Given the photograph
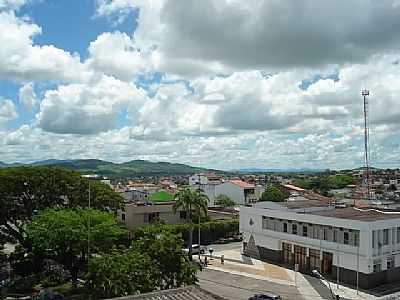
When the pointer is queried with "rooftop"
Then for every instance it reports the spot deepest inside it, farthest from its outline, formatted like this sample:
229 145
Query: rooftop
304 204
294 188
242 184
189 293
351 213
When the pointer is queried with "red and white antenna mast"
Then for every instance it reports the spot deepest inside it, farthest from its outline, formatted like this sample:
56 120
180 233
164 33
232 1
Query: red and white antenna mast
367 173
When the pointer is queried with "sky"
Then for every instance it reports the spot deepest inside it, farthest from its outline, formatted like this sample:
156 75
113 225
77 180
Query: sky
223 84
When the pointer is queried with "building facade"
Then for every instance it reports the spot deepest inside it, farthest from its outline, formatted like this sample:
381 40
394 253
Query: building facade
138 214
240 192
348 244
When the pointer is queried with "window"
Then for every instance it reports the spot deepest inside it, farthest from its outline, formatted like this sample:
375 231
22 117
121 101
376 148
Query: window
346 238
377 265
398 235
390 262
335 234
373 238
284 227
305 230
325 234
356 239
182 215
316 232
264 222
123 217
294 228
385 236
154 216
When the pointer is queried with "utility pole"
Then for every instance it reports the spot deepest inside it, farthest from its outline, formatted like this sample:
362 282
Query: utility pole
199 222
364 94
88 238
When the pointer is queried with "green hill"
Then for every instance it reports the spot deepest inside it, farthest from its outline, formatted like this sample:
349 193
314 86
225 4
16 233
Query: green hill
127 169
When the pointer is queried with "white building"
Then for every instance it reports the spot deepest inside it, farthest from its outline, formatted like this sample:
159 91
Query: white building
205 178
345 242
207 182
240 192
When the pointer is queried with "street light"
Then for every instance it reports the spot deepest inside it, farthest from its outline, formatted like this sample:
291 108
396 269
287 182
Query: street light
320 277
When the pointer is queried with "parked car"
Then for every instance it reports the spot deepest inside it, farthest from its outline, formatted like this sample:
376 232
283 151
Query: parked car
196 248
266 296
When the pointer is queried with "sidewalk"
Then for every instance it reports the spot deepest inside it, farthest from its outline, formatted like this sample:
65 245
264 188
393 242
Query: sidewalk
237 264
346 292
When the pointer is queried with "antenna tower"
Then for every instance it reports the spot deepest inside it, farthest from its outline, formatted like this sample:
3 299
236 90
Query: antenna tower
367 173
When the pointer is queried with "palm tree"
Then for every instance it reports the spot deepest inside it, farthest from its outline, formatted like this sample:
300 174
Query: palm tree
189 200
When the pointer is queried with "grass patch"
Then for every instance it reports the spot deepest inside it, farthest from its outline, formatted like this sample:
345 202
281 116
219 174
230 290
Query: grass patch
161 196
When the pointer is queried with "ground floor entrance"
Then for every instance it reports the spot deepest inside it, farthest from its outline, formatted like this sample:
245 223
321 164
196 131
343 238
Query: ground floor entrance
300 257
327 263
307 259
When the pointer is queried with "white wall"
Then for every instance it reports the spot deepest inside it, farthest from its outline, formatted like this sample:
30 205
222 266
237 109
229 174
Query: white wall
233 191
347 254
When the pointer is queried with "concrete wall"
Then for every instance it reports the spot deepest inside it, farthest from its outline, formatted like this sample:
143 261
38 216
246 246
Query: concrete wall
233 191
135 216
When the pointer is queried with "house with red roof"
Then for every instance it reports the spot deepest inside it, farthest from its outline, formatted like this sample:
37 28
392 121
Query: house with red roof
239 191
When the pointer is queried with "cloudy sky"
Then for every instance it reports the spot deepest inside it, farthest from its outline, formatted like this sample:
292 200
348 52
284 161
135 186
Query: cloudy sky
215 83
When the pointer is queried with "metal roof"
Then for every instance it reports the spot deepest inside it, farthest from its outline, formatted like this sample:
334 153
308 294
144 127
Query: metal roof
184 293
351 213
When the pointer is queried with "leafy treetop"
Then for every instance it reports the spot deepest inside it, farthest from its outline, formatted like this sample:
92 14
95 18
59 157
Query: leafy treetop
274 194
25 191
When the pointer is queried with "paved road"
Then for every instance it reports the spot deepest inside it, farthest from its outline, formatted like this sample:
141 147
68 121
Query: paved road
225 247
236 287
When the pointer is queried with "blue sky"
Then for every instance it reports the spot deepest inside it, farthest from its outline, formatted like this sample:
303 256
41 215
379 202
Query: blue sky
220 84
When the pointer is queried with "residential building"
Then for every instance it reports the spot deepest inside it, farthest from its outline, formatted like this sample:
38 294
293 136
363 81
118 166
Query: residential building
207 182
132 194
293 190
169 186
136 214
205 179
240 192
343 243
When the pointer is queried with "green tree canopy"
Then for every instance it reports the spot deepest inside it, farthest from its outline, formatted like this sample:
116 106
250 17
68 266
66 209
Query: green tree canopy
274 194
156 261
63 235
25 191
165 249
224 201
325 183
121 272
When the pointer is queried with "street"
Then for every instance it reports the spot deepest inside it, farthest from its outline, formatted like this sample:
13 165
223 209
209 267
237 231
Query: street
236 287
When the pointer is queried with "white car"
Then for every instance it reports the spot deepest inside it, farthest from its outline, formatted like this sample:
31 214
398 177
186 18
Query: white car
196 248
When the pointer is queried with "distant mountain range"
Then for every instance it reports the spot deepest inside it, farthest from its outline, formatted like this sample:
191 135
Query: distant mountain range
261 170
106 168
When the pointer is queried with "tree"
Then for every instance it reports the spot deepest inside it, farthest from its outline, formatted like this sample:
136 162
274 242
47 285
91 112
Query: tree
224 201
165 249
155 261
63 235
189 200
274 194
121 273
25 191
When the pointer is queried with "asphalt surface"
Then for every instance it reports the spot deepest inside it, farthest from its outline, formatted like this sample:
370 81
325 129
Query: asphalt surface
236 287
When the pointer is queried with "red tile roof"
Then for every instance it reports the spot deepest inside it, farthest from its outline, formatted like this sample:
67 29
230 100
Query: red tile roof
293 187
242 184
